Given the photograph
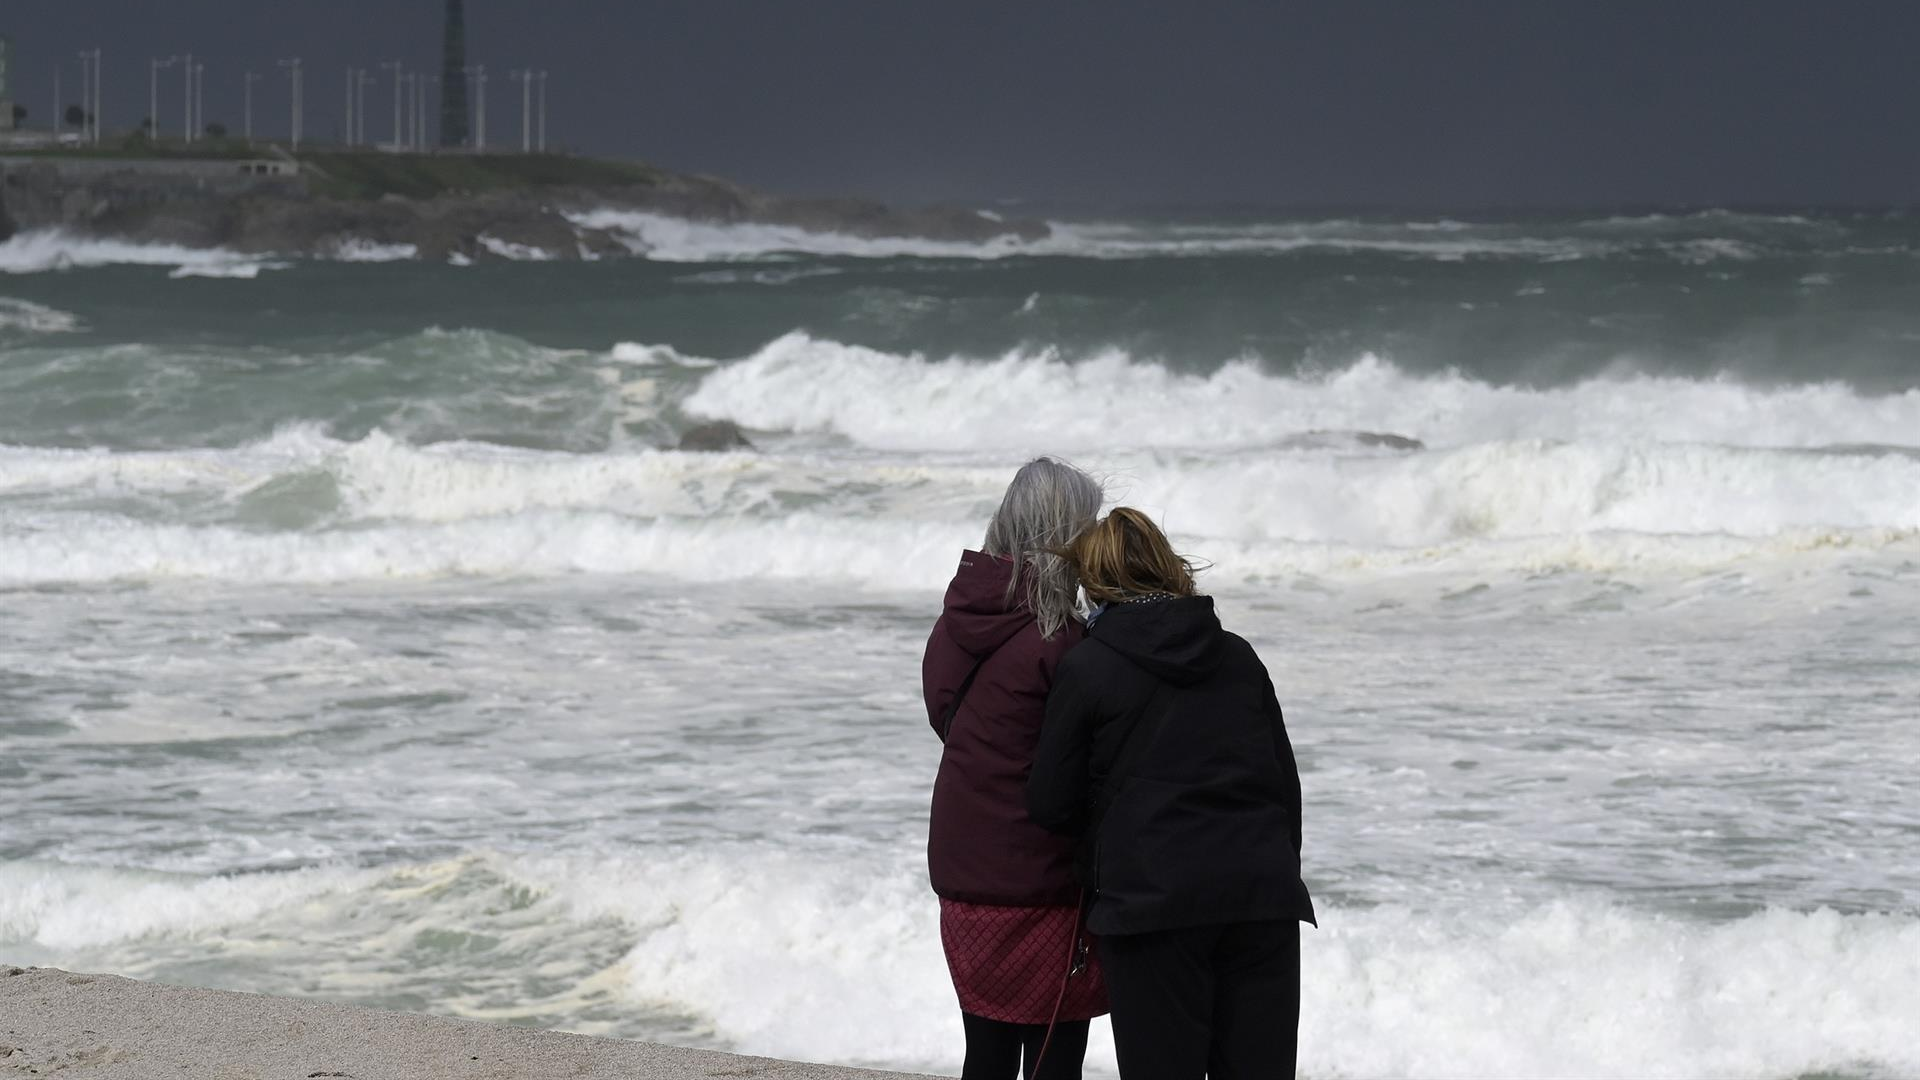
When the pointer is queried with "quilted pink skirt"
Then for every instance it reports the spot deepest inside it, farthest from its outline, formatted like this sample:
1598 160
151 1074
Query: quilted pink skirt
1008 963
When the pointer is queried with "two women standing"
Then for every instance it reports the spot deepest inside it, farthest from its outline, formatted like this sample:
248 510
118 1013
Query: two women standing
1154 755
1009 900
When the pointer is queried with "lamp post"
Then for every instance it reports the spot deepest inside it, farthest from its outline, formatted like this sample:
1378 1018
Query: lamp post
189 96
366 79
397 68
543 112
421 81
86 94
479 73
346 136
199 96
89 96
293 75
193 113
249 79
524 76
153 95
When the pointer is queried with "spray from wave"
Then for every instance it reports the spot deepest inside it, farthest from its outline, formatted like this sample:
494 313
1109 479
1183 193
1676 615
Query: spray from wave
42 250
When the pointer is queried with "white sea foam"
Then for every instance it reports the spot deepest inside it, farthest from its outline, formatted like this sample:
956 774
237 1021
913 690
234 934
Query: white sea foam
801 547
1582 989
674 239
66 908
359 249
845 966
390 510
1440 244
811 548
35 318
637 355
40 250
1491 491
507 249
1035 400
241 269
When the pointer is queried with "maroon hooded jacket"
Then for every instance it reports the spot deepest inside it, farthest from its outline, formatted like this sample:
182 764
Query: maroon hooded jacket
982 848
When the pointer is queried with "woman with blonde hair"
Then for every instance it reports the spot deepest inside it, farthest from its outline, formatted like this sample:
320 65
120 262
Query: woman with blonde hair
1009 901
1164 745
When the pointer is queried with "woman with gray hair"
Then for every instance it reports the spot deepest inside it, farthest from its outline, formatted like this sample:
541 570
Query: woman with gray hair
1009 900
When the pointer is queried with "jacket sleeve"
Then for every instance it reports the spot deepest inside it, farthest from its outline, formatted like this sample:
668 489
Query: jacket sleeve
937 691
1059 785
1289 768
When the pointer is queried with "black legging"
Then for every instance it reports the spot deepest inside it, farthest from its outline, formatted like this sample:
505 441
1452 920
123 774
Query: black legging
997 1050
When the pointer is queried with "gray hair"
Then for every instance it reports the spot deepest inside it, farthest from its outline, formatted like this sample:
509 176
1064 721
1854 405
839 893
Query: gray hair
1048 504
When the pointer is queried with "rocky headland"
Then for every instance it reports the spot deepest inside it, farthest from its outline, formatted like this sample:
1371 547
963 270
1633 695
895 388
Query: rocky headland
453 206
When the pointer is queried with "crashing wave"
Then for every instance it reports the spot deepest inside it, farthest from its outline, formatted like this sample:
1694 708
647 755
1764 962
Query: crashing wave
1395 991
32 318
303 507
1040 399
42 250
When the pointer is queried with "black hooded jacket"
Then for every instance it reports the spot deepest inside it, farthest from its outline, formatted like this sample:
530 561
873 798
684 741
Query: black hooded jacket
1202 826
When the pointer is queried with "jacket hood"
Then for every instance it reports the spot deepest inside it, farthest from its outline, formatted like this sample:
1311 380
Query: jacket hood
1179 641
979 618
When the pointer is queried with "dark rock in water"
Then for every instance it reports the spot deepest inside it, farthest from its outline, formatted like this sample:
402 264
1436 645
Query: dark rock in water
1391 442
1335 440
717 437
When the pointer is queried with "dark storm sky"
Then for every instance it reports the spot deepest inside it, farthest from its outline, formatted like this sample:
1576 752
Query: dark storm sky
1416 103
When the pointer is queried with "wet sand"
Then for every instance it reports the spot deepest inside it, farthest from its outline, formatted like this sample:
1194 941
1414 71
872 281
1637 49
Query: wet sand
100 1027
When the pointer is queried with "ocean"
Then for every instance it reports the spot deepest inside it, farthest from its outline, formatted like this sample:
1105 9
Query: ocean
364 641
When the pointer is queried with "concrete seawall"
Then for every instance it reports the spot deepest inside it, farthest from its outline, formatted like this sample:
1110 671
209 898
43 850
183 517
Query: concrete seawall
99 1027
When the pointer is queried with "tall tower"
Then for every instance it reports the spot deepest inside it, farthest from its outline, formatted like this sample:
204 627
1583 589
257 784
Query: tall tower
453 77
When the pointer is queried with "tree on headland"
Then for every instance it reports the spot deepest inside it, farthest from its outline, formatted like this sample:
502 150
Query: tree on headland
19 114
77 116
216 130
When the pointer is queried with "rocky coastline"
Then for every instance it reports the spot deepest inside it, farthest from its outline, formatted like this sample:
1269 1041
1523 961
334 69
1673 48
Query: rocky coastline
312 209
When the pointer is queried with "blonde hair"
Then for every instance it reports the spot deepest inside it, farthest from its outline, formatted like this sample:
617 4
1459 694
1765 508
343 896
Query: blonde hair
1125 555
